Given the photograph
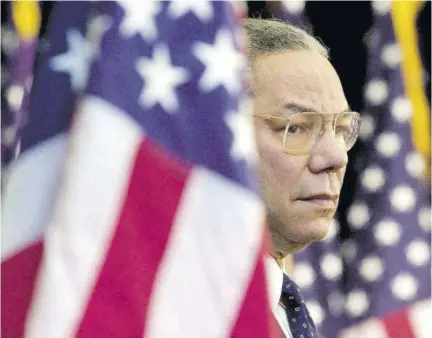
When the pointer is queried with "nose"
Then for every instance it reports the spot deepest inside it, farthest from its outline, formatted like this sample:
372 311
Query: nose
328 154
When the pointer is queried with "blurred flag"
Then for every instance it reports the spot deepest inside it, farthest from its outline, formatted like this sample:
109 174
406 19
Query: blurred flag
30 188
142 216
24 28
388 281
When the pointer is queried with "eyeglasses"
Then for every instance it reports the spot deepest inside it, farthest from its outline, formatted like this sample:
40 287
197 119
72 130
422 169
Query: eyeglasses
302 131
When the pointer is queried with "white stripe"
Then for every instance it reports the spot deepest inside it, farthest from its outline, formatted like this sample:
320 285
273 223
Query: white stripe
103 146
29 193
372 328
420 316
209 260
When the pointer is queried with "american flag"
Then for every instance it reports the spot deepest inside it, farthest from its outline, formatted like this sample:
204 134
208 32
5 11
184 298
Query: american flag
388 281
141 213
376 283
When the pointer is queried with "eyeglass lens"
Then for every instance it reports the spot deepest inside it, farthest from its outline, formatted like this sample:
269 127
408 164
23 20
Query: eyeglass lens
303 130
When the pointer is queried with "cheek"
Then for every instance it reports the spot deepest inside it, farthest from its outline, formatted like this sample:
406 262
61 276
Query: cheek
280 172
340 177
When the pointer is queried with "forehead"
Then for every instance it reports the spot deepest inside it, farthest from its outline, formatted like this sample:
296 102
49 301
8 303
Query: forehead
302 77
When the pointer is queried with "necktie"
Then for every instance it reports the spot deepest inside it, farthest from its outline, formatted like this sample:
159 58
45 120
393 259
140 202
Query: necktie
300 321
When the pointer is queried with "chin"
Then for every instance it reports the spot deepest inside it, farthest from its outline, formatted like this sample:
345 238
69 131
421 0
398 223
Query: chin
311 231
292 236
308 232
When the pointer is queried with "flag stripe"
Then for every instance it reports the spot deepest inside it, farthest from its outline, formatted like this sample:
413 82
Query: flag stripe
195 273
248 324
397 324
18 275
84 217
369 328
32 184
140 240
420 315
132 220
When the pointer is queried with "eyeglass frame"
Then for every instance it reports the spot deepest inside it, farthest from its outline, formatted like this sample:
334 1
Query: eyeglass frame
289 119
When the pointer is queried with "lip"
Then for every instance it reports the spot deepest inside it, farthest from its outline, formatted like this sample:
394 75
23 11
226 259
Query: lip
325 201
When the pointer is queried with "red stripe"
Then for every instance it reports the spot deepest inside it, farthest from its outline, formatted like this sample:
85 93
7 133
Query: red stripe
18 276
397 324
255 318
275 329
119 302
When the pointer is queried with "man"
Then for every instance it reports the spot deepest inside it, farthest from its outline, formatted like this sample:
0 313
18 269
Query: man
304 128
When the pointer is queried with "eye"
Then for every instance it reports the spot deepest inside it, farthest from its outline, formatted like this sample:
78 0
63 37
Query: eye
343 129
298 128
293 129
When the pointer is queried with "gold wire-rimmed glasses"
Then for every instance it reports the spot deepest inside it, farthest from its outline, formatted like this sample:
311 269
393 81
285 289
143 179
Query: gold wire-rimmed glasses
303 130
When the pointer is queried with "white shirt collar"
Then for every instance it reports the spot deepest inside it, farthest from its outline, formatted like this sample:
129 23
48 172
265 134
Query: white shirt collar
274 278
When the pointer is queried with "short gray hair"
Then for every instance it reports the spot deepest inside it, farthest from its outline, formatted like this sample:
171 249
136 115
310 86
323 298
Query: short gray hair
265 36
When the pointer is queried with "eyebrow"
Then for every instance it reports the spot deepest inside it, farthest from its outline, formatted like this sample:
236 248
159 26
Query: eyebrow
299 108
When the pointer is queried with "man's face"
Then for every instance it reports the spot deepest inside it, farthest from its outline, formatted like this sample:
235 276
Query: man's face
297 189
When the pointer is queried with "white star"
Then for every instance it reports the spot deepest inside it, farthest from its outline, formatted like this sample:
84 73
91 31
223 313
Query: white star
367 126
201 8
303 274
377 92
357 303
331 266
240 124
8 136
15 96
76 61
316 312
388 144
140 18
404 286
358 215
381 7
415 164
371 268
418 252
349 250
401 109
424 218
391 55
403 198
97 27
373 178
9 40
223 63
388 232
294 6
160 79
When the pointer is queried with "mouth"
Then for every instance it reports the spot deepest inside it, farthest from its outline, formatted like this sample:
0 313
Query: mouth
325 201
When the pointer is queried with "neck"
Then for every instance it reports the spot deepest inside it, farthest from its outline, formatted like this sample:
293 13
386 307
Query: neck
285 263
